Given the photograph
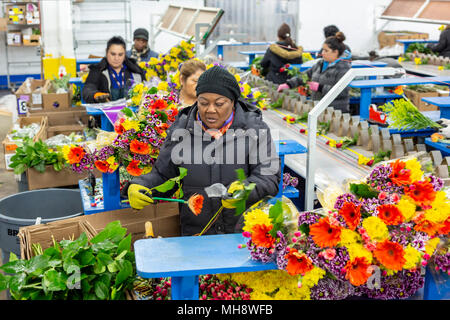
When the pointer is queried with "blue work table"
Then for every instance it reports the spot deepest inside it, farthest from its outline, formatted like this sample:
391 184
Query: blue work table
252 55
407 42
367 85
185 258
87 61
220 46
355 64
443 147
442 102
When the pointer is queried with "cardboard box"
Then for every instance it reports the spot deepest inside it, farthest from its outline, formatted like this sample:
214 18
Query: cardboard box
52 179
164 217
389 38
55 101
16 14
31 40
65 122
14 38
3 24
9 147
416 99
27 101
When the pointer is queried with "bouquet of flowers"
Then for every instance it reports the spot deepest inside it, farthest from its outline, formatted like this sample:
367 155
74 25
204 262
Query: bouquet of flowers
374 242
252 95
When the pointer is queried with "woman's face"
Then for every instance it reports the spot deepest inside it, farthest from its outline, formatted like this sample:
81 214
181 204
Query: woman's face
214 109
328 54
190 83
115 56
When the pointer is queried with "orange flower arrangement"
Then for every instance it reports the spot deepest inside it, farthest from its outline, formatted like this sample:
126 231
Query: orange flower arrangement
351 214
422 192
102 166
261 236
75 155
390 214
139 147
133 168
158 104
298 263
356 271
390 254
400 175
324 233
444 228
428 227
195 203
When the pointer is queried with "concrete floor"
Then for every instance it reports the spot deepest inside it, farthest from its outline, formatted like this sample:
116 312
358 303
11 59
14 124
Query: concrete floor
8 184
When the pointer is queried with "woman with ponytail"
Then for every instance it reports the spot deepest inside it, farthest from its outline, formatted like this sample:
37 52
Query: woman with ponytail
283 52
335 62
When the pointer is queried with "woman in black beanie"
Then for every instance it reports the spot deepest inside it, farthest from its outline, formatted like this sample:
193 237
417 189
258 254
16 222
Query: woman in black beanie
211 139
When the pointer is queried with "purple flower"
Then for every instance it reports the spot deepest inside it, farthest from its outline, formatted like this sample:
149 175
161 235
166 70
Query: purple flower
308 218
343 198
259 253
442 262
437 182
332 289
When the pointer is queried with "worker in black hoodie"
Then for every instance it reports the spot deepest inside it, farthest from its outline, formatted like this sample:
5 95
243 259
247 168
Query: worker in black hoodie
283 52
112 77
443 47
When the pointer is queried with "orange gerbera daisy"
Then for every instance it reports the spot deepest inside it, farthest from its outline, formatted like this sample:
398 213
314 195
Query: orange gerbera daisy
118 127
324 233
261 236
357 272
390 214
133 168
158 104
75 155
139 147
390 254
351 214
102 166
298 263
444 228
422 192
400 175
195 203
428 227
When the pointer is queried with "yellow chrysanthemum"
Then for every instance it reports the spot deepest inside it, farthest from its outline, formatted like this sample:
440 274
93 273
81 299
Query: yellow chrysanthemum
349 237
407 207
174 65
247 89
412 257
113 164
256 94
440 210
163 86
142 64
416 170
417 61
332 143
312 277
357 250
166 67
376 228
254 217
153 61
431 245
130 124
238 77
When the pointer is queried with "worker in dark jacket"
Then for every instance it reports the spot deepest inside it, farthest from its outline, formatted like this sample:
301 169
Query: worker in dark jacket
112 77
211 139
140 51
443 47
327 72
279 54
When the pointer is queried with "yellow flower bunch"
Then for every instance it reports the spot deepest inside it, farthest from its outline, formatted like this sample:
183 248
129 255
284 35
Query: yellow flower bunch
412 257
306 56
349 237
84 77
407 207
376 228
356 250
65 151
416 169
312 277
363 160
153 61
440 210
417 61
247 89
431 245
254 217
113 164
163 86
130 124
238 77
401 59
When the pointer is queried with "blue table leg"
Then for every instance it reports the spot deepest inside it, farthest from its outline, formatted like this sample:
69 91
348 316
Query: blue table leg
366 97
251 57
185 288
111 191
106 124
220 51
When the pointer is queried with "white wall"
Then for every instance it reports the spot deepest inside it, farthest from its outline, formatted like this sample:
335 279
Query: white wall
356 18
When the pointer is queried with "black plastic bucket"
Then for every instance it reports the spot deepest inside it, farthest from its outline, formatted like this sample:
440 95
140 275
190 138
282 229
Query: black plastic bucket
22 209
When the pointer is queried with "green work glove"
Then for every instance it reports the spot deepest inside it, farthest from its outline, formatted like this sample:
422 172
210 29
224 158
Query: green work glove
138 200
231 202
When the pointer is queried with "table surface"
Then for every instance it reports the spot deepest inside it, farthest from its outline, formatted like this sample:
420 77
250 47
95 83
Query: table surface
190 256
284 147
398 81
424 69
439 146
416 40
438 101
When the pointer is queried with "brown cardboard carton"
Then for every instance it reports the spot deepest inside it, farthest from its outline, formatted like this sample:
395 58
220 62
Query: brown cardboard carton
14 38
31 40
16 14
55 101
52 179
65 122
416 98
3 24
9 146
27 101
389 38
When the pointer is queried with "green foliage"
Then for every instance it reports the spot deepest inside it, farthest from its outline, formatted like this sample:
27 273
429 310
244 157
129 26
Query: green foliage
63 82
35 155
277 104
362 191
242 195
347 142
170 184
100 269
381 156
323 127
276 214
419 47
403 115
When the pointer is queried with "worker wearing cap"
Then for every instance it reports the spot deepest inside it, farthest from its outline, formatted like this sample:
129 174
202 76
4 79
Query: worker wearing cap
140 50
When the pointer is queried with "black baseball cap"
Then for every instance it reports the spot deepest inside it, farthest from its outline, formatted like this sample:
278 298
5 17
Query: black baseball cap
140 33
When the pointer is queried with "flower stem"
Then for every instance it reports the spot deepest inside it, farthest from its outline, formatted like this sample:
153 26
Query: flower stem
211 221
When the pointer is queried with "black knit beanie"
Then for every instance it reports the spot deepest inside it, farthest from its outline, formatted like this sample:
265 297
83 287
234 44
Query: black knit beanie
220 81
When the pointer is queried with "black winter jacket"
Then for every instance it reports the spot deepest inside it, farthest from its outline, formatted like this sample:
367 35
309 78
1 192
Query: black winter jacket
188 146
443 47
327 80
98 79
276 57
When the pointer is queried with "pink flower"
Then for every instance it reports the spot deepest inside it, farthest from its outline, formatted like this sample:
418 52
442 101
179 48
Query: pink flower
297 234
426 256
395 197
246 234
328 254
294 239
382 195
